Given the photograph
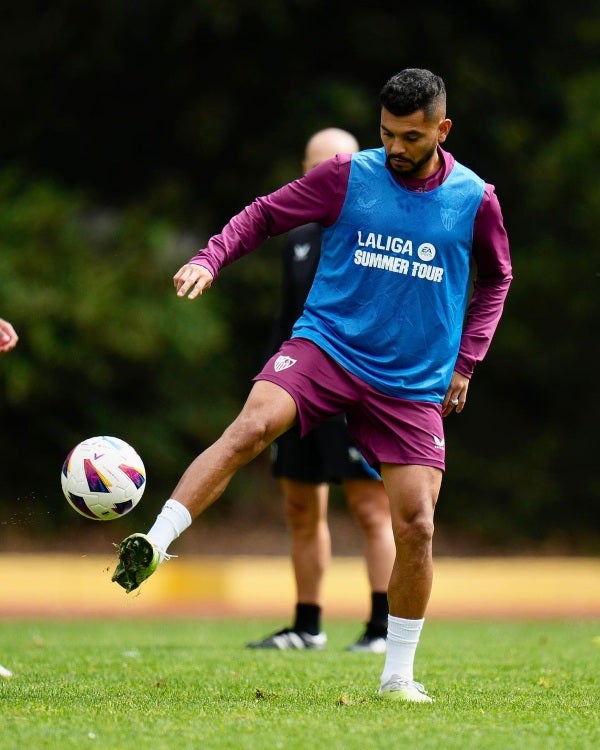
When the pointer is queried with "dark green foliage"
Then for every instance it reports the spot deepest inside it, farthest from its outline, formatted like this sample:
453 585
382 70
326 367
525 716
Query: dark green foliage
105 345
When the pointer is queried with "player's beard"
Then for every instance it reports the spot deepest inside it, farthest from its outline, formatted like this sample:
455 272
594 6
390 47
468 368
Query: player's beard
408 167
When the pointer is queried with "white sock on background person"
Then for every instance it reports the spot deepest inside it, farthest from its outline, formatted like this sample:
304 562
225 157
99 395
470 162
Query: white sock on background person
402 640
172 521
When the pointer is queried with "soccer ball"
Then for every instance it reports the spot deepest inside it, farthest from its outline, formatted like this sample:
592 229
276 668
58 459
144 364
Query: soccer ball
103 478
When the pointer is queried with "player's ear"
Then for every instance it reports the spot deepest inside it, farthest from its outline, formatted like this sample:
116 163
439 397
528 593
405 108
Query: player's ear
444 129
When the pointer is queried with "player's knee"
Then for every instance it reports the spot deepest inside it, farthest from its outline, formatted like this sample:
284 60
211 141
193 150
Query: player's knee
300 521
372 511
371 514
415 532
301 511
247 435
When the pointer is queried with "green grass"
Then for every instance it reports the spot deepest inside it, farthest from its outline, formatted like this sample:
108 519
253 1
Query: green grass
173 684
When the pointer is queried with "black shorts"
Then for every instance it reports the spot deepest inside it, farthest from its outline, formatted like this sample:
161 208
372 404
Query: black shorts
325 454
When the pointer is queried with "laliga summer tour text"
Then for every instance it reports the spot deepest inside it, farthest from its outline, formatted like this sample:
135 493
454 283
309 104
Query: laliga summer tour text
396 263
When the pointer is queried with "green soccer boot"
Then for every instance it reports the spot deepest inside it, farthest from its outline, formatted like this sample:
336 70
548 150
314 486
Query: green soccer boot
138 559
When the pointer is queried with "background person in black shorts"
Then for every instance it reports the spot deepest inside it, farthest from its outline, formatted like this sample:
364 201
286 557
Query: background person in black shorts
307 466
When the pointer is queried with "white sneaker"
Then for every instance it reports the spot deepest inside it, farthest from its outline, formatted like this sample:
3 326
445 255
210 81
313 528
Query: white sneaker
291 640
402 689
368 644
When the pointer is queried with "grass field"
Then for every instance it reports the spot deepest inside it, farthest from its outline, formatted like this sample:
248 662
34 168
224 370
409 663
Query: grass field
181 683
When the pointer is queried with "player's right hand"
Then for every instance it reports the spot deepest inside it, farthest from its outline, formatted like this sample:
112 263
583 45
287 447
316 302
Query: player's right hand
192 280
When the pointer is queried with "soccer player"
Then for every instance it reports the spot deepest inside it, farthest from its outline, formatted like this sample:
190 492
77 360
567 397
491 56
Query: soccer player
390 335
306 466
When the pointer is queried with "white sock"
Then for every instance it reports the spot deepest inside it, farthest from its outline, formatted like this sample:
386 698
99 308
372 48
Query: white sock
402 640
172 521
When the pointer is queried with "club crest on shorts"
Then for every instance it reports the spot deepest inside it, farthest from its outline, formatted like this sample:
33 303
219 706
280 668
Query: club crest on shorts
282 363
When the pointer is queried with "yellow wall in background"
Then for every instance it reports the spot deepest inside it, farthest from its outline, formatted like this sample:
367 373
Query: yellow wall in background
70 585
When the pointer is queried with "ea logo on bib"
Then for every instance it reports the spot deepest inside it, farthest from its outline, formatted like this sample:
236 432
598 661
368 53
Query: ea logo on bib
426 251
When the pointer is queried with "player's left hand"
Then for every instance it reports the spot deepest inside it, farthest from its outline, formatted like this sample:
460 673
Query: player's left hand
456 395
192 280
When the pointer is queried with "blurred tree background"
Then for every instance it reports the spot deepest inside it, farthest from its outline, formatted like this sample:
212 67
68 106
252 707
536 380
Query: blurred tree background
131 131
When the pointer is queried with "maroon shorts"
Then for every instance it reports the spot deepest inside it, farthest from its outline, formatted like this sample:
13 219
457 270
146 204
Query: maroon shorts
386 429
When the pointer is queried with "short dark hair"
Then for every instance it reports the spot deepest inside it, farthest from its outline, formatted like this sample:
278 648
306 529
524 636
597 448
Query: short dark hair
413 89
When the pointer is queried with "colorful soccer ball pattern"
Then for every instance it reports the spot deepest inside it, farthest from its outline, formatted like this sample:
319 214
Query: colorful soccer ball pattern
103 478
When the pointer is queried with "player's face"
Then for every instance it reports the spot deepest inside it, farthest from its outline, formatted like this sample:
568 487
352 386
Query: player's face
411 142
